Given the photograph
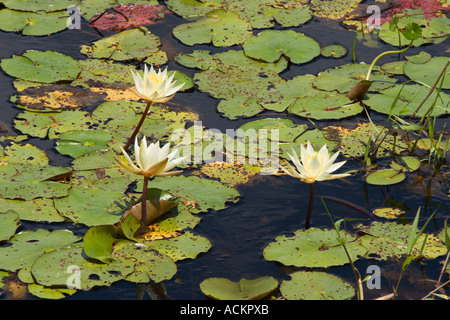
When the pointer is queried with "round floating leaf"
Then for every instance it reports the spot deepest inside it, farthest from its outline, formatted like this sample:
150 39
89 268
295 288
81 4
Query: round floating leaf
99 241
389 240
388 213
244 289
27 182
39 5
150 264
89 206
136 43
239 106
56 267
9 222
25 247
405 164
186 246
429 72
220 27
344 78
39 209
385 177
333 9
24 154
325 106
312 248
78 142
307 285
271 45
334 50
421 57
41 66
33 23
410 97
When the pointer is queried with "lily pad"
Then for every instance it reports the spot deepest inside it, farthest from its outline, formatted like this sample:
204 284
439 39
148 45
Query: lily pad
385 177
333 9
244 289
333 50
388 213
405 164
312 248
185 246
239 106
389 241
39 209
89 206
314 285
78 142
271 45
410 97
324 106
136 43
220 27
9 223
54 269
27 182
41 66
25 247
343 78
38 23
429 72
38 5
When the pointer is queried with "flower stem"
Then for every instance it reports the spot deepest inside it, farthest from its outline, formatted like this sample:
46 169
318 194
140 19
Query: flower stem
382 55
136 130
144 202
310 205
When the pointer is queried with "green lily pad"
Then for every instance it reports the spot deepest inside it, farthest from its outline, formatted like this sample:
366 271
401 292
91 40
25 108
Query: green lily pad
27 246
385 177
312 248
55 269
136 43
271 45
207 194
333 50
27 182
220 27
49 293
37 5
33 23
314 285
231 81
421 57
393 68
333 9
324 106
388 213
389 241
51 124
434 30
150 265
244 289
78 142
287 130
39 209
353 142
343 78
89 206
99 241
186 246
41 66
9 223
24 153
410 97
405 164
429 72
239 106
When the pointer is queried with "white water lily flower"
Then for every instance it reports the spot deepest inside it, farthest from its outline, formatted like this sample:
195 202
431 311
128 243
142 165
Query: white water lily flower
314 166
152 161
155 86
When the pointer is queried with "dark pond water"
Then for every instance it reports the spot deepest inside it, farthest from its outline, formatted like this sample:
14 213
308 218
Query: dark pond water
270 205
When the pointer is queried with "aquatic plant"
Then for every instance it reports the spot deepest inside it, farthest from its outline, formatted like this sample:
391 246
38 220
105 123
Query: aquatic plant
313 166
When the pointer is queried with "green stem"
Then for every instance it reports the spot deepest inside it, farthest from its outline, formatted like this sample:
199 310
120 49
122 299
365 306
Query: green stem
382 55
136 130
144 202
310 205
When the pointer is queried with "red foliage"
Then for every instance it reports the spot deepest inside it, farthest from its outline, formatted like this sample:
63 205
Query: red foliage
127 16
431 8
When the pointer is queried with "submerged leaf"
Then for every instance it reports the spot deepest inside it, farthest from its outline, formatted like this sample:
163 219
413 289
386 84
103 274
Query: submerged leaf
244 289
